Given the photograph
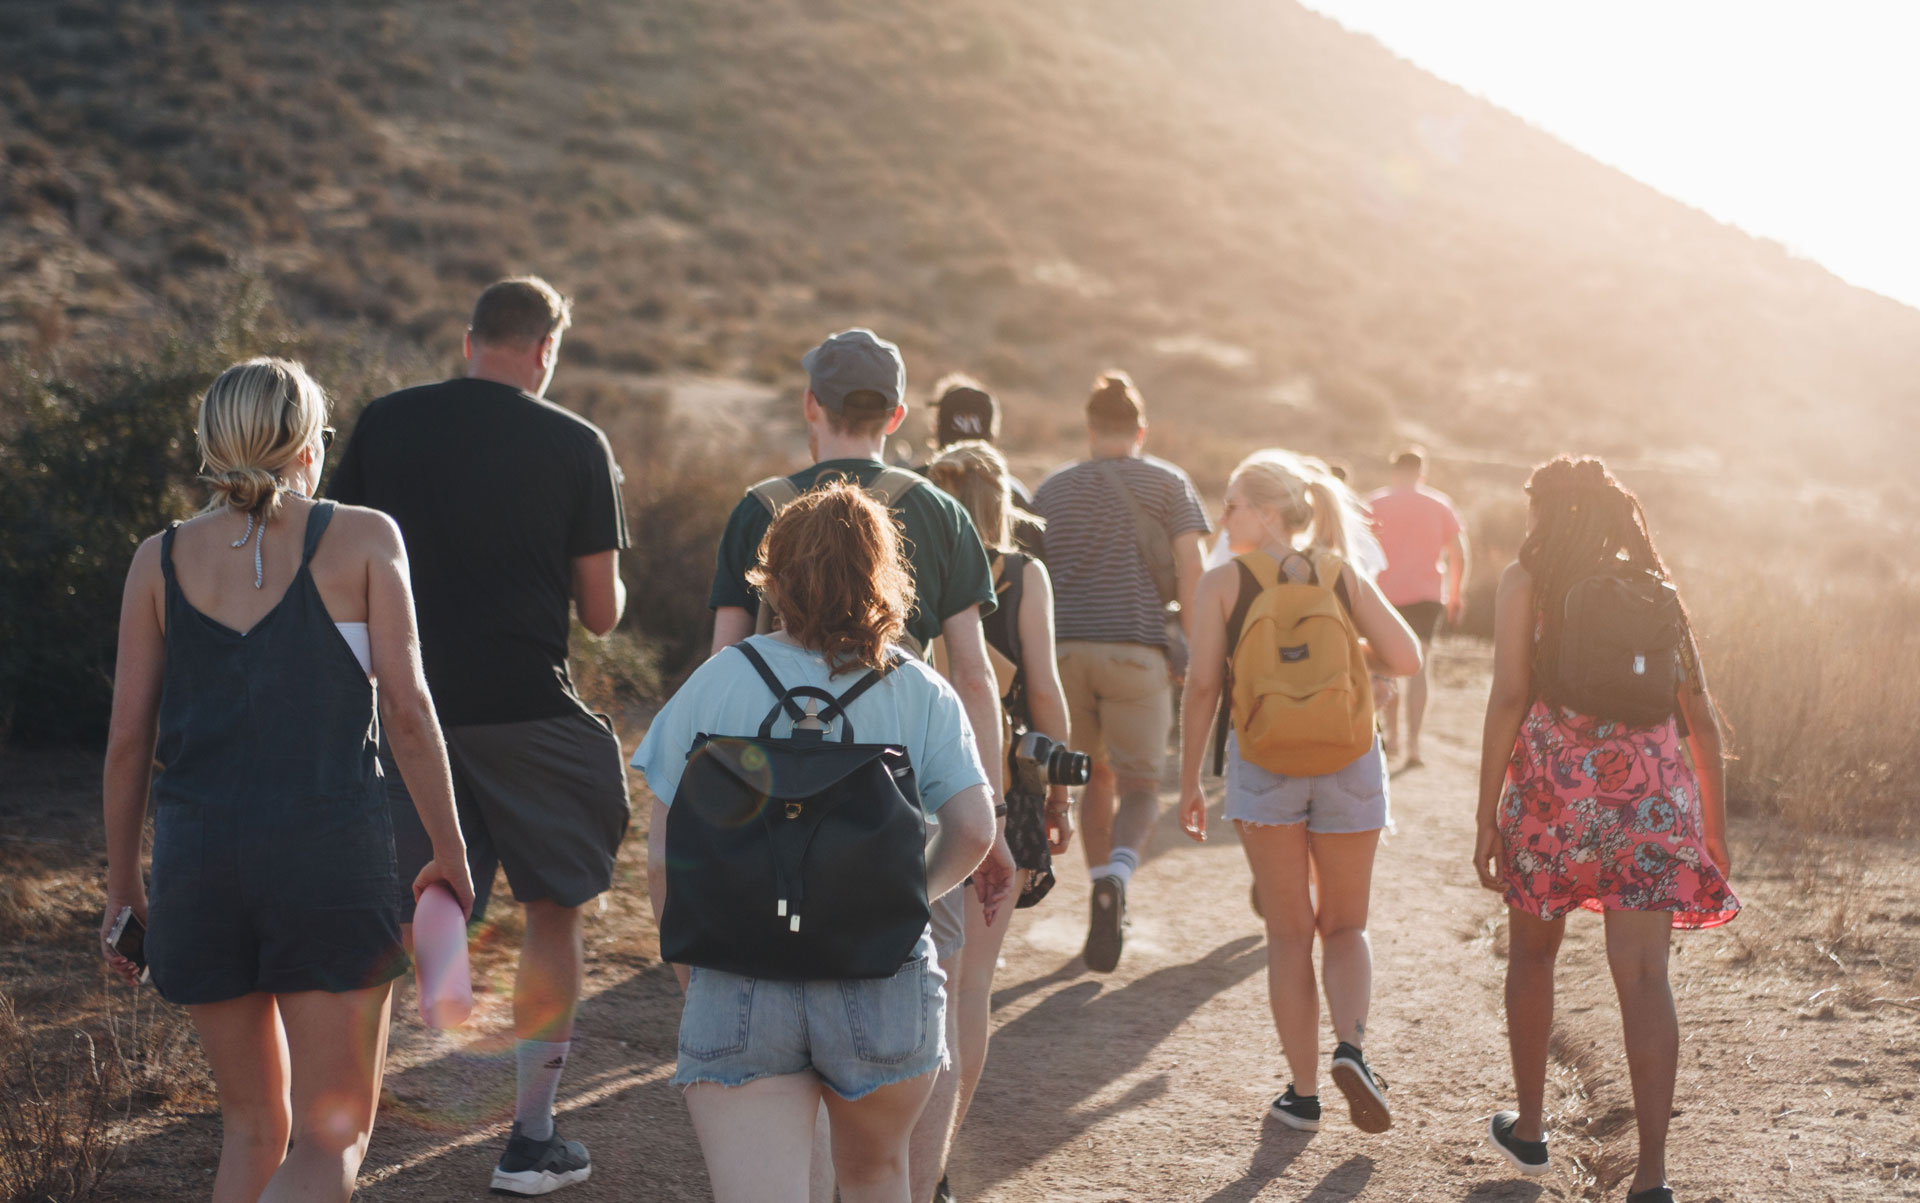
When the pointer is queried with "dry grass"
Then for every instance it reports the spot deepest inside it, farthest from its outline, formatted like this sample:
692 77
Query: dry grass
1820 684
60 1097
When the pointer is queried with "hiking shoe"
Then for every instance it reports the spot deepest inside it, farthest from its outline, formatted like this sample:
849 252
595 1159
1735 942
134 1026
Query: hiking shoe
1527 1156
540 1167
1296 1111
1104 933
1656 1194
1366 1092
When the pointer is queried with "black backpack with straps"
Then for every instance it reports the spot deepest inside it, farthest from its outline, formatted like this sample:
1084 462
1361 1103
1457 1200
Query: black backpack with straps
1623 641
796 857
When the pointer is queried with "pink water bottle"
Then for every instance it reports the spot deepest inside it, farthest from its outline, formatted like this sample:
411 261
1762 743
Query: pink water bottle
440 958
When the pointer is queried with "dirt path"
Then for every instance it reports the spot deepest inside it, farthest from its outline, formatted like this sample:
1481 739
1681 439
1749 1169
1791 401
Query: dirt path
1152 1083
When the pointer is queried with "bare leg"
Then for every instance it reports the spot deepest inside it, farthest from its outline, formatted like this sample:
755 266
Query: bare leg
973 1000
1139 808
247 1052
820 1175
1343 869
1532 946
870 1142
1278 856
338 1048
1637 946
932 1131
1415 688
547 990
757 1138
1096 816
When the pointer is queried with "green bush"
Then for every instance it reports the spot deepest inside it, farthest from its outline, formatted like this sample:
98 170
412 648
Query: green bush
94 461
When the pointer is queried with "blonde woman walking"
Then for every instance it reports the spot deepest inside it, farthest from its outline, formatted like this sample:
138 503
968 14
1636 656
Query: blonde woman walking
250 637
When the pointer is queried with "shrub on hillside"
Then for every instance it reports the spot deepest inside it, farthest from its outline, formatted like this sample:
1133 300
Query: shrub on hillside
94 461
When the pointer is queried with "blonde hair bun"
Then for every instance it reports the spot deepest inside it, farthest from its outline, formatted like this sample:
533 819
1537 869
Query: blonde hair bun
255 419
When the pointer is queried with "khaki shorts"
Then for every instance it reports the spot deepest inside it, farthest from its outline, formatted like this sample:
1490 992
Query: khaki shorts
948 918
1120 701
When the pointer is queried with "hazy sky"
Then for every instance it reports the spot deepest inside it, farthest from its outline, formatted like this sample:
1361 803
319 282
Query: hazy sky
1793 119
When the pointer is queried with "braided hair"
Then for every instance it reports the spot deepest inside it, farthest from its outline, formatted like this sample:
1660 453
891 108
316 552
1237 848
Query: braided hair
1585 522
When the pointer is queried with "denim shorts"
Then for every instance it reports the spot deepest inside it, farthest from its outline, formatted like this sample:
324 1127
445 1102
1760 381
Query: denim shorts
857 1035
1351 800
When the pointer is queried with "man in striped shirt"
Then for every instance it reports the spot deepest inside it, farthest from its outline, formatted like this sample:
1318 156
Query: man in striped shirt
1110 618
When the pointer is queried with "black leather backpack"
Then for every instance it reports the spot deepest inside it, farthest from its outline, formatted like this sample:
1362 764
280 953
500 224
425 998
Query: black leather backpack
1622 637
796 857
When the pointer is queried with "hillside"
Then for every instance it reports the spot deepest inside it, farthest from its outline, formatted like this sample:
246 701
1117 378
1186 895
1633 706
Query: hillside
1263 215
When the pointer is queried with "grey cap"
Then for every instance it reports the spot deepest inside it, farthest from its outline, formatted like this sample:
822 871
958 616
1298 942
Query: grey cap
853 361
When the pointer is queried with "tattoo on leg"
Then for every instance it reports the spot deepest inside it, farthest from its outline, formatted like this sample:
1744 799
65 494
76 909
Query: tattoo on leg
1360 1028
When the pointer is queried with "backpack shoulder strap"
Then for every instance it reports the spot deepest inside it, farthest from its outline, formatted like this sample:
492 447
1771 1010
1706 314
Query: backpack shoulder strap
766 674
1330 566
893 484
1258 573
775 492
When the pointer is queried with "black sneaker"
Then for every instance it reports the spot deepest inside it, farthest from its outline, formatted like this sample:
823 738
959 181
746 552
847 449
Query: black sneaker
1366 1091
1104 932
1656 1194
1527 1156
1297 1112
540 1167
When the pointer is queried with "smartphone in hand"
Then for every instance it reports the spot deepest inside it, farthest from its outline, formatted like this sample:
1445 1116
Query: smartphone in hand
128 937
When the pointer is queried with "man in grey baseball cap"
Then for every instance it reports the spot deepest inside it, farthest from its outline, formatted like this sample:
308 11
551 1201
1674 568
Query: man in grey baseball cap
855 399
851 364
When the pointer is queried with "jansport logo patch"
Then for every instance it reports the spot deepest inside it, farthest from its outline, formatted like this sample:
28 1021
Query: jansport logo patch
1293 655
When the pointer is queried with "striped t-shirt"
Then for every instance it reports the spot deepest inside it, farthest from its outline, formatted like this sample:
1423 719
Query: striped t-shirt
1102 589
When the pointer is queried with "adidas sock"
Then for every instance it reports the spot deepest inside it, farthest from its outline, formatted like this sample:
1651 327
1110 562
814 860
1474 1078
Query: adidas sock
540 1064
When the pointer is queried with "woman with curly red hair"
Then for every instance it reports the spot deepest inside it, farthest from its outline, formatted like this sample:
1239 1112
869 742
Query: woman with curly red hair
1585 798
759 1055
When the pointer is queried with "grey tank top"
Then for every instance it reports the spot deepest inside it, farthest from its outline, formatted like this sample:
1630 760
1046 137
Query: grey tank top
276 720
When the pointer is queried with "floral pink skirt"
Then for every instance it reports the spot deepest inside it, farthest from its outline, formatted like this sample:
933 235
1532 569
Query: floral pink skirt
1607 817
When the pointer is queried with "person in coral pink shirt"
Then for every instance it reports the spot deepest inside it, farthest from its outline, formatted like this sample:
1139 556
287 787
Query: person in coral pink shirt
1426 575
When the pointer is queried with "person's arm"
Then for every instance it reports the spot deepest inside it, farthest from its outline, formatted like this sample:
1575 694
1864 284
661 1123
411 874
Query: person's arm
1046 699
599 595
965 834
657 875
973 680
1206 675
138 671
1458 568
1392 649
1709 763
1507 704
731 624
731 599
406 708
1188 564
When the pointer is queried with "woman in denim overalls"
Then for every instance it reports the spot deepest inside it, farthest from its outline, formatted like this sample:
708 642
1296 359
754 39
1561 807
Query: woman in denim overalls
250 637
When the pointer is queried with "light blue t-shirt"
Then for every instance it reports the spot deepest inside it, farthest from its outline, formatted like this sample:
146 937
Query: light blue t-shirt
911 706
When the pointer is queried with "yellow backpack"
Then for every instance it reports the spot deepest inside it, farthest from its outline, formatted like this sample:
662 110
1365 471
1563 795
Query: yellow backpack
1302 698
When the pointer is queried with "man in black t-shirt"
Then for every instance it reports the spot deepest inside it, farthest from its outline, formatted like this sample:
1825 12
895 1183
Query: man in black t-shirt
510 506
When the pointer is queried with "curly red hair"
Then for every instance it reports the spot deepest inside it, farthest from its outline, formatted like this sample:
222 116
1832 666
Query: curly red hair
832 566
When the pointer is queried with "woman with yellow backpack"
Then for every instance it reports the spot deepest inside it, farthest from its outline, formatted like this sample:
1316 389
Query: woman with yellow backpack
1292 635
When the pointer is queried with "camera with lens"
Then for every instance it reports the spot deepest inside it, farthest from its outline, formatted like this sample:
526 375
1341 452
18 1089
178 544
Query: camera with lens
1039 762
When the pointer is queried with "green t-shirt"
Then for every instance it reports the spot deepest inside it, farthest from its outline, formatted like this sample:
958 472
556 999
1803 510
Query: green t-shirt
949 564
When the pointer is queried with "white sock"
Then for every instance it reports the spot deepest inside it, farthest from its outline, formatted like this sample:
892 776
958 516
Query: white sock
540 1064
1124 862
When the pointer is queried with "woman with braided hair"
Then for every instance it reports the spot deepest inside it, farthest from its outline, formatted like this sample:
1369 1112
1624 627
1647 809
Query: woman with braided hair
1595 811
